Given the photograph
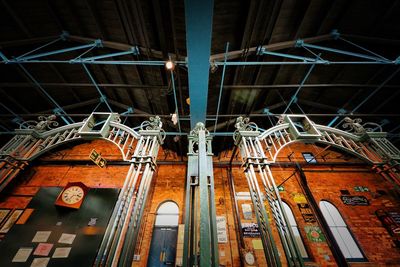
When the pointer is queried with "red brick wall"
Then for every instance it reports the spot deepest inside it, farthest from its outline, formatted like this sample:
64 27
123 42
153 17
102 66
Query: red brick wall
169 184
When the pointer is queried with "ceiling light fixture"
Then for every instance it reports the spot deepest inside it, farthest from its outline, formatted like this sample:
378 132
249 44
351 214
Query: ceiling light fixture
169 65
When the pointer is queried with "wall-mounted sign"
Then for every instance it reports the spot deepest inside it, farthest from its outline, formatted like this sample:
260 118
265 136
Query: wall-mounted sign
361 189
243 196
395 216
314 234
247 211
250 230
391 221
355 200
97 159
299 198
221 229
306 212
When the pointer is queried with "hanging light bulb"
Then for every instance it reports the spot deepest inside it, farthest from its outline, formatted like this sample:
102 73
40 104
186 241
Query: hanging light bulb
169 65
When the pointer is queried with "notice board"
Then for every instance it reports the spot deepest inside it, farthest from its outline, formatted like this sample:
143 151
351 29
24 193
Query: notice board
88 224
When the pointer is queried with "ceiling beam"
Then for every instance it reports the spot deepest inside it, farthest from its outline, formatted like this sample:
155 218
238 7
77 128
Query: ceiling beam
271 47
228 87
199 17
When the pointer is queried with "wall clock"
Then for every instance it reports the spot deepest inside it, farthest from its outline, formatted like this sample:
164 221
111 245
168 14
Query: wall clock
72 195
249 258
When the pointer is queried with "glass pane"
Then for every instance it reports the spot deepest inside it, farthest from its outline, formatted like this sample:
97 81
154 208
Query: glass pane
325 212
168 208
341 243
350 243
331 214
167 220
289 214
309 158
299 242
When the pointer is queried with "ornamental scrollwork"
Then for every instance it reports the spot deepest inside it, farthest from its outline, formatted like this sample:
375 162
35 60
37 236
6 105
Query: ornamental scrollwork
354 125
243 124
42 124
154 123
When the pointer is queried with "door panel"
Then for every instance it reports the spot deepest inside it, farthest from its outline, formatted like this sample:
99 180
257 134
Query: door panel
163 247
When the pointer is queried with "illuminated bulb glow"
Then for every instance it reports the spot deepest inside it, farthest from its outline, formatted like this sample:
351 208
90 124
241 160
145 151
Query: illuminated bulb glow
169 65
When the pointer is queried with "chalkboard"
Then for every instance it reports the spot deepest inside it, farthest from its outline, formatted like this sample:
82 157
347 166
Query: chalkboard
98 203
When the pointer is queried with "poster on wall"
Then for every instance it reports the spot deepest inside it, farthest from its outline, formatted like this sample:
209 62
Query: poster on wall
221 229
247 211
306 212
10 221
299 198
314 234
391 221
3 214
355 200
250 230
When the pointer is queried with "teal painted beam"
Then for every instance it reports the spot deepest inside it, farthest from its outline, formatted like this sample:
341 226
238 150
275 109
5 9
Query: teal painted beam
199 17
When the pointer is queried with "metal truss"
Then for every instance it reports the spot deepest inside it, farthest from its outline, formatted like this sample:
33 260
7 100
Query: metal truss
140 148
260 149
35 56
200 241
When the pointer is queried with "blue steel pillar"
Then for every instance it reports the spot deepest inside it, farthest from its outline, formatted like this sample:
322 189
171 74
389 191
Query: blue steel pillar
199 16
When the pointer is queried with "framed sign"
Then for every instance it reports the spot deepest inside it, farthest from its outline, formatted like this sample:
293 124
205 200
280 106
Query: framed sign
361 189
299 198
221 229
306 212
391 221
3 215
355 200
314 234
247 211
250 230
10 221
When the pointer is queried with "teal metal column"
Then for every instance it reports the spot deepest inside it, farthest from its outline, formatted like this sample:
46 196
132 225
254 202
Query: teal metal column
199 17
200 240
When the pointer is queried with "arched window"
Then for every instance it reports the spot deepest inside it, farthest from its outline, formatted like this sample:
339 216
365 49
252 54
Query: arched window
167 214
340 231
295 230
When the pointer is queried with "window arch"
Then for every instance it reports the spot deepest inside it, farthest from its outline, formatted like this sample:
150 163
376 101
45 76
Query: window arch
167 214
295 230
340 231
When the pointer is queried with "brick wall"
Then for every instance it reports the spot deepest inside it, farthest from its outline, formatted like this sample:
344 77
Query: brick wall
325 183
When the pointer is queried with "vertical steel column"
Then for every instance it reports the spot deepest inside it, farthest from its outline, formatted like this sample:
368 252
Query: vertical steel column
257 170
200 240
118 245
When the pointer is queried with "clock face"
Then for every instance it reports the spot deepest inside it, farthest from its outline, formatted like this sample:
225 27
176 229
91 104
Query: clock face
249 258
72 195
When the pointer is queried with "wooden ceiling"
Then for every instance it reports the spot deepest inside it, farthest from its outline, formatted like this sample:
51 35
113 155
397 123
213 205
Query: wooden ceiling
158 29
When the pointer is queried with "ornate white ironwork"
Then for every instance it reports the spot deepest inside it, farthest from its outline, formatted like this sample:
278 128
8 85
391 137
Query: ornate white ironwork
355 126
44 123
258 150
138 148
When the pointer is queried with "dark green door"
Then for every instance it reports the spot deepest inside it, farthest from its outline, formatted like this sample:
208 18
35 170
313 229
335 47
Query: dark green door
163 246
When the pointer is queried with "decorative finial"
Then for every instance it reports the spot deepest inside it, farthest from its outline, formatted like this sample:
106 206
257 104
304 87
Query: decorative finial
199 126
